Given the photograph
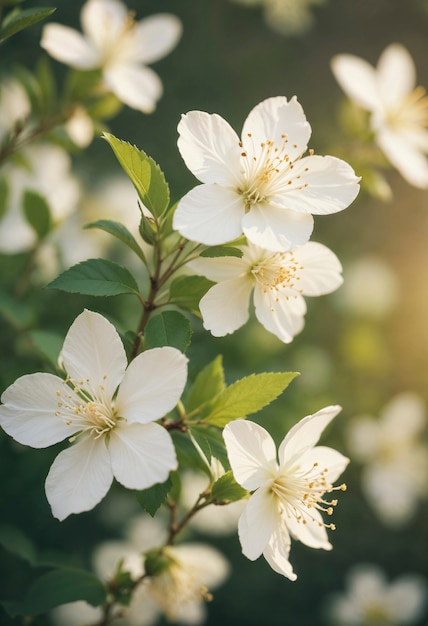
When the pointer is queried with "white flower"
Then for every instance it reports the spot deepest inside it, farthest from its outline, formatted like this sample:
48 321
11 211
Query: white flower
370 600
115 433
399 109
279 281
395 460
45 170
287 17
120 47
259 185
14 106
288 497
80 128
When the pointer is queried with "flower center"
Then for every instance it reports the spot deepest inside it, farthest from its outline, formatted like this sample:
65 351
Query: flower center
79 409
412 111
116 46
278 272
300 491
263 170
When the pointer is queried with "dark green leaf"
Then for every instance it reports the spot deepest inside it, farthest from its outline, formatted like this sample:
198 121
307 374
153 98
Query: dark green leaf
96 277
186 292
208 384
151 499
13 540
145 174
18 313
120 232
168 329
210 440
47 344
247 396
47 84
19 19
57 587
226 489
215 251
37 213
187 454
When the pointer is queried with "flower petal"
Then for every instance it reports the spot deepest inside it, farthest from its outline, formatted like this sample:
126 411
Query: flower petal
326 185
358 80
277 551
279 121
138 87
321 272
28 412
224 307
155 37
210 148
333 461
408 159
281 314
79 478
103 21
219 268
210 214
396 74
306 433
309 529
252 453
152 385
93 355
141 455
275 228
257 523
69 46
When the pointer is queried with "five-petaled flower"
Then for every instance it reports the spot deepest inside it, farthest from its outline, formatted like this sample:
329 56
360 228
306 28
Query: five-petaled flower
289 496
104 408
119 46
279 281
399 109
259 185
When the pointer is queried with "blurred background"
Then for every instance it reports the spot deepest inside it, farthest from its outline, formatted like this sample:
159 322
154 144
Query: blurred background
364 347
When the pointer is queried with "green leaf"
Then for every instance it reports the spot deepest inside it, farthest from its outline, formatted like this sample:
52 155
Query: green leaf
4 195
247 396
120 232
208 384
148 229
19 19
47 84
216 251
15 541
105 107
169 328
210 440
145 174
226 489
151 499
96 277
56 587
19 314
186 292
187 454
37 213
47 344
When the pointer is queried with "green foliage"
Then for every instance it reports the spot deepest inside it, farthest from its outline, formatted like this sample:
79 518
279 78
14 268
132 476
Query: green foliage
47 344
244 397
120 232
18 313
152 498
169 328
18 19
37 213
57 587
208 384
14 540
210 441
4 195
96 277
226 489
148 229
216 251
145 174
187 291
188 456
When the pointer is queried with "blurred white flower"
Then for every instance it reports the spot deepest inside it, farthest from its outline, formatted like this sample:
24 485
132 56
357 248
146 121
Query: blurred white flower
14 106
399 109
45 170
278 282
76 614
370 288
287 17
116 434
260 185
80 128
395 460
119 46
370 600
288 497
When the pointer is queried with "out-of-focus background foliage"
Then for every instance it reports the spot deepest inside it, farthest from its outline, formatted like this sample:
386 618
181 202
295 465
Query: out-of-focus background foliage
353 350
